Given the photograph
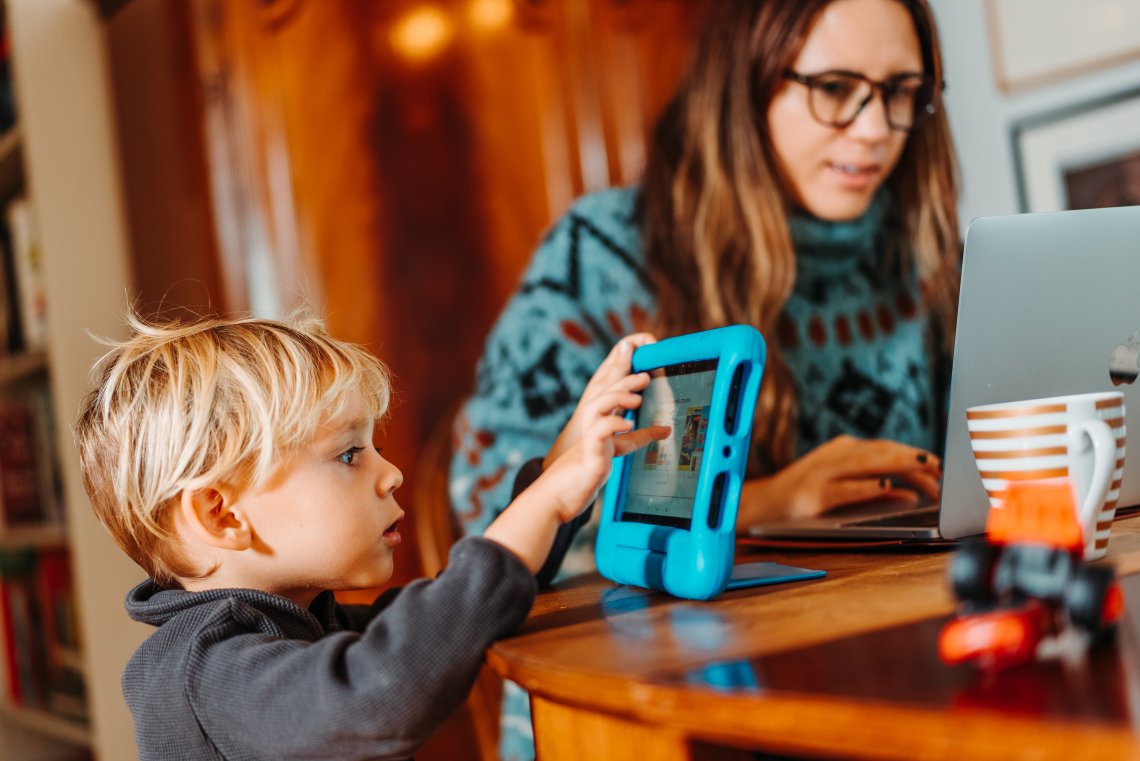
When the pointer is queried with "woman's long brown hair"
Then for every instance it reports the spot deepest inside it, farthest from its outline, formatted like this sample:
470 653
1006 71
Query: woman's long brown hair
714 210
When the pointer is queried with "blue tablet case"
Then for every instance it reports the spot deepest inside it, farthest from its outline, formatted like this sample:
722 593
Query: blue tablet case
669 510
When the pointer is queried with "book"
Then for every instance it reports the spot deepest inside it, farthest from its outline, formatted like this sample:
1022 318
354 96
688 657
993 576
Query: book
64 680
7 101
11 333
37 397
19 618
20 475
27 267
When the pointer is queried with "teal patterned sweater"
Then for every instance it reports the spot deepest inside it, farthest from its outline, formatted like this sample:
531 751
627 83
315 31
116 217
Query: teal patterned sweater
855 337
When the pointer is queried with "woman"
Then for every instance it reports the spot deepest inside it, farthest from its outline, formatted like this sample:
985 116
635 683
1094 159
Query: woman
801 180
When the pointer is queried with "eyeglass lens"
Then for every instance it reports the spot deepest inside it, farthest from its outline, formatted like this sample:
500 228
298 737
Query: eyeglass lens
837 99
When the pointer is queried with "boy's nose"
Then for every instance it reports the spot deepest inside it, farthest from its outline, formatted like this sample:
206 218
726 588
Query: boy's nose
390 478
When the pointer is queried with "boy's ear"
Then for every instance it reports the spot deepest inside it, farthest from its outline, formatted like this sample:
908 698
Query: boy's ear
209 516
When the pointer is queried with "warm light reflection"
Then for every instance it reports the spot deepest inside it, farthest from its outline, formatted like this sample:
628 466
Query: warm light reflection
490 15
421 34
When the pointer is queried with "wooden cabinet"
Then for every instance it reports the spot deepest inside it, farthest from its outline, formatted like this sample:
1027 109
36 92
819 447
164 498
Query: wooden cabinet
395 163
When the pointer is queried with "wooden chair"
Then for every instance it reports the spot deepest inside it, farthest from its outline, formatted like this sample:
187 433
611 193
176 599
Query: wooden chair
436 528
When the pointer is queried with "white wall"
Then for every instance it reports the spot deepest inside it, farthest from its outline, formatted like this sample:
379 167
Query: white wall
981 115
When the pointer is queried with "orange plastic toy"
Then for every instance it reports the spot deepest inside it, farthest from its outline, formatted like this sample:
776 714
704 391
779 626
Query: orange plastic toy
1026 579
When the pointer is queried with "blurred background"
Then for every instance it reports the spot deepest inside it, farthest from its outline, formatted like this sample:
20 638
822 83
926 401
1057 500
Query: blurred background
391 163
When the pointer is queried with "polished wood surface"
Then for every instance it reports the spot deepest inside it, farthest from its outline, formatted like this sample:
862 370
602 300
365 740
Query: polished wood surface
845 666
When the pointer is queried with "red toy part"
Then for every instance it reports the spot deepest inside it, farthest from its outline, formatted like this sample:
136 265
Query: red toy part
1113 606
997 639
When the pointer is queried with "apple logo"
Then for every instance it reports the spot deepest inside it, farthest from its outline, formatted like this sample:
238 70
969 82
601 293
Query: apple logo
1123 366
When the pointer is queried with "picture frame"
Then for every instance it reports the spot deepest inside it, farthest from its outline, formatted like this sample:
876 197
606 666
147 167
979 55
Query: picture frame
1082 156
1035 42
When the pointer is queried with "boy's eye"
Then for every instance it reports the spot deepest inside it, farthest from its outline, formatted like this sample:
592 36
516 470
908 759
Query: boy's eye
348 456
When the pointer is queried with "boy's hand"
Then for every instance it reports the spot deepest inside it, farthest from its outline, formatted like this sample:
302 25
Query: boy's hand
581 471
580 460
610 386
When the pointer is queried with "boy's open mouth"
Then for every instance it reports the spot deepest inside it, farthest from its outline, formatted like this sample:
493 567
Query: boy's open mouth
393 531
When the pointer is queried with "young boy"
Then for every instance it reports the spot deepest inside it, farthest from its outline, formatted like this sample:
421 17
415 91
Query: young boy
234 461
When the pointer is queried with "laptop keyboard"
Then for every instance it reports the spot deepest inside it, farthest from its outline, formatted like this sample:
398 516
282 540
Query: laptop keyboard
919 518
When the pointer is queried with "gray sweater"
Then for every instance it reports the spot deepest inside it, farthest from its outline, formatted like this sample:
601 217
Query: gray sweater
242 674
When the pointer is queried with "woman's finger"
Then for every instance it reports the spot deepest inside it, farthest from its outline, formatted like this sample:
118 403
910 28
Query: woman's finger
852 458
848 491
922 481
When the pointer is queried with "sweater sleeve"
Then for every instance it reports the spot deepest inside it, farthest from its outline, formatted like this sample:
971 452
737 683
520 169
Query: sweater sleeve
378 693
527 475
582 291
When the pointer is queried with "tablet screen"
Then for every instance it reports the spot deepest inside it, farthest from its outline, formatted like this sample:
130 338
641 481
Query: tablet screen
662 480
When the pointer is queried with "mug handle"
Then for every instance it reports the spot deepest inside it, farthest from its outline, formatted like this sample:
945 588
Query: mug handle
1104 456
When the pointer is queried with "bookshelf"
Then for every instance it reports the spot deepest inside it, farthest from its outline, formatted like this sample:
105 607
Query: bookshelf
30 727
32 724
62 155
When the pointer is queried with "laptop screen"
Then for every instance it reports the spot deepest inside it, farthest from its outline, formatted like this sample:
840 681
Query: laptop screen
663 476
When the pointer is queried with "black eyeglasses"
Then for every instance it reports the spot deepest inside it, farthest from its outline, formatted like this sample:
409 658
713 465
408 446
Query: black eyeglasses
836 98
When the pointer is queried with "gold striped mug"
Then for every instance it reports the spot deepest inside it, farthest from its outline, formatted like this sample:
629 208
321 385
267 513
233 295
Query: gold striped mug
1080 437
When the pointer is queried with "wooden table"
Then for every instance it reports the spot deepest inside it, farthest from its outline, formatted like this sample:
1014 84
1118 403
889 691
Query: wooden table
845 666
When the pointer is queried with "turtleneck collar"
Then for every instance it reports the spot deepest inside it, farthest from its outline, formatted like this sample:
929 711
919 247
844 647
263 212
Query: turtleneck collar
831 248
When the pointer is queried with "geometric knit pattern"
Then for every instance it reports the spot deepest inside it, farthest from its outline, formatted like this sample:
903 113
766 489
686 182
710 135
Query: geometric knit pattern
856 338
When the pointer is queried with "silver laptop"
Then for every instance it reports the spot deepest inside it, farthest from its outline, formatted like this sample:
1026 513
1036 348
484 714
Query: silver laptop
1048 303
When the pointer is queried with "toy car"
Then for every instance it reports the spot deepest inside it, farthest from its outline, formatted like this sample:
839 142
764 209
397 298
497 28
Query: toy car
1025 578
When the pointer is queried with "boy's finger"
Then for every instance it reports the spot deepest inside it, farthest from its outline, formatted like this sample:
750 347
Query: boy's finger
614 402
616 365
625 385
634 440
618 362
622 352
640 339
602 430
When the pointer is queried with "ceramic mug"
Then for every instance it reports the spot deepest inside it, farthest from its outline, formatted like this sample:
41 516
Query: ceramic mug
1080 437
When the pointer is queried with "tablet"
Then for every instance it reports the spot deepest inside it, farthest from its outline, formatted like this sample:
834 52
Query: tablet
669 510
661 485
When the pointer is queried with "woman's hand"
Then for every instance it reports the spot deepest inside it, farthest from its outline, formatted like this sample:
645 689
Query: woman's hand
843 471
611 387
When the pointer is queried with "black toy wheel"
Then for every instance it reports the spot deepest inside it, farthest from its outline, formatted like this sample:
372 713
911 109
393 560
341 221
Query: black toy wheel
972 571
1093 598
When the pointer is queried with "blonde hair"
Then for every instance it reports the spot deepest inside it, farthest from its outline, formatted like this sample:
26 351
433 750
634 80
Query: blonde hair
714 205
207 402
